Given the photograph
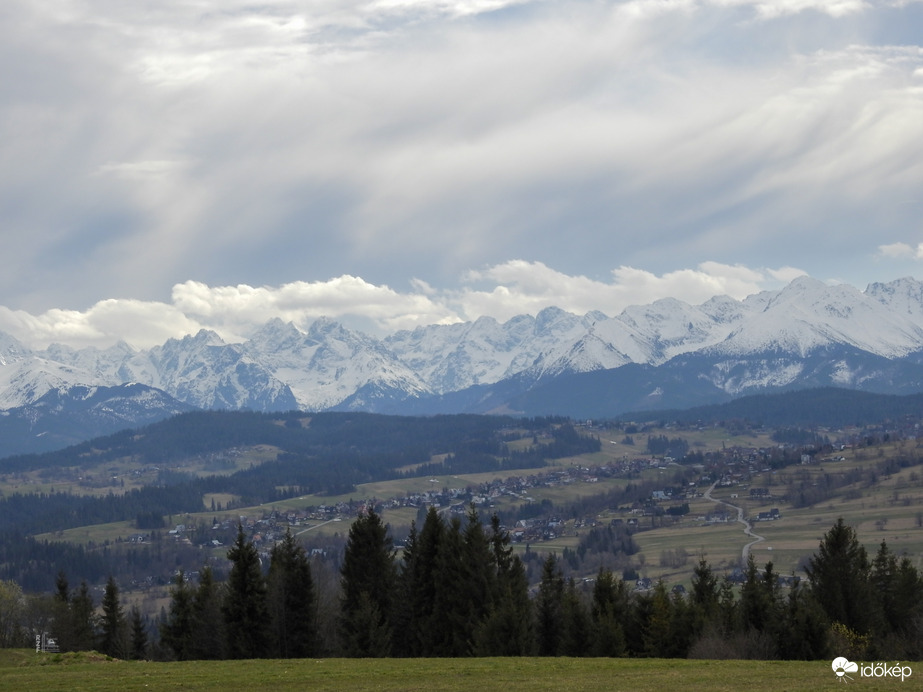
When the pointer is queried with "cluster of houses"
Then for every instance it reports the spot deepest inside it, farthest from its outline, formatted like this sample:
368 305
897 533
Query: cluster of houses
732 467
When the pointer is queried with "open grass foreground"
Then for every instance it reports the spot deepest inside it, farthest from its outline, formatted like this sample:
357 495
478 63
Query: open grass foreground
22 670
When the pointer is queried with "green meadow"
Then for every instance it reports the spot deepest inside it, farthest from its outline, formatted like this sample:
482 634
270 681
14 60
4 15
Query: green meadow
26 670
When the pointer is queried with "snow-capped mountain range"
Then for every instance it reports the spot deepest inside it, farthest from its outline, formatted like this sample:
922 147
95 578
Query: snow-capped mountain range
663 354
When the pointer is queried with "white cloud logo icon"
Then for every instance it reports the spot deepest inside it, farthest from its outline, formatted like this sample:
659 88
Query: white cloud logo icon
841 666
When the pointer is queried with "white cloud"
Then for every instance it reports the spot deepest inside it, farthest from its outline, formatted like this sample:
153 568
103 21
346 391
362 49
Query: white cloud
502 291
769 9
238 309
141 324
521 286
141 169
901 251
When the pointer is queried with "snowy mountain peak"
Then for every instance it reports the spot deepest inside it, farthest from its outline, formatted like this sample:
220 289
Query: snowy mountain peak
903 296
330 365
204 337
275 333
552 317
11 351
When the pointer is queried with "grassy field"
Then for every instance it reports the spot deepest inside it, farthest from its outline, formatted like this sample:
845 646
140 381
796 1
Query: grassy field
26 670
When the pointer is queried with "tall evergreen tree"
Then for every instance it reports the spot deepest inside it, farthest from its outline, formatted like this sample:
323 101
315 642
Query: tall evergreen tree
291 600
548 608
758 596
898 604
576 630
405 640
464 587
839 577
657 629
446 632
177 631
417 586
803 631
480 579
367 580
139 638
682 626
62 589
704 593
82 620
246 614
112 623
727 607
609 609
508 628
207 620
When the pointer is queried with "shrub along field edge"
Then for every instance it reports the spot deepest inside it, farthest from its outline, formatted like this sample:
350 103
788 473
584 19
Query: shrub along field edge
25 670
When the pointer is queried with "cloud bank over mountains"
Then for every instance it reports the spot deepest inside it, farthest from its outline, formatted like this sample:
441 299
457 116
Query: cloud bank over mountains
502 291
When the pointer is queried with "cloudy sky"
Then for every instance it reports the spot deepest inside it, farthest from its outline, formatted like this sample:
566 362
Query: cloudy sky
167 165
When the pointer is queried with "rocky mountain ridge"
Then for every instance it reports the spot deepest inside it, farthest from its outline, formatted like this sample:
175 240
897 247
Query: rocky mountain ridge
806 334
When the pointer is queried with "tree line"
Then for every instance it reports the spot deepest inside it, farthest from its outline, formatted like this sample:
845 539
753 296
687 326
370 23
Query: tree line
457 589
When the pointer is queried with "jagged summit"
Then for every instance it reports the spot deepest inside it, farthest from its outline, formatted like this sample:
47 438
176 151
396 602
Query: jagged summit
807 333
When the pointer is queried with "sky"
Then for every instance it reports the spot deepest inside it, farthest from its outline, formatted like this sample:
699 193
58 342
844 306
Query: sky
168 166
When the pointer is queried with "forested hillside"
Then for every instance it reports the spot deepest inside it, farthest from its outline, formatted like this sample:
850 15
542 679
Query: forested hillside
825 407
325 454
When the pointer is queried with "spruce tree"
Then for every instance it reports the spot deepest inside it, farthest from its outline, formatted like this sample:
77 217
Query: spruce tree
177 631
82 620
208 634
759 599
62 589
112 623
727 608
508 629
367 580
897 618
61 615
839 577
417 585
548 605
447 632
682 626
657 629
291 600
245 610
479 581
803 631
610 607
139 639
404 640
576 629
704 594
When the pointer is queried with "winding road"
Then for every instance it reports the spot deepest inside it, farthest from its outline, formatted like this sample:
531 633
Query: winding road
748 527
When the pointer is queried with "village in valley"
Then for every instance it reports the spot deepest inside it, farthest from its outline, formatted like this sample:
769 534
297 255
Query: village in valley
717 504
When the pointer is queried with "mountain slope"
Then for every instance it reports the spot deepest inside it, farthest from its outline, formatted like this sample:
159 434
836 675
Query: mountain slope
62 417
668 353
